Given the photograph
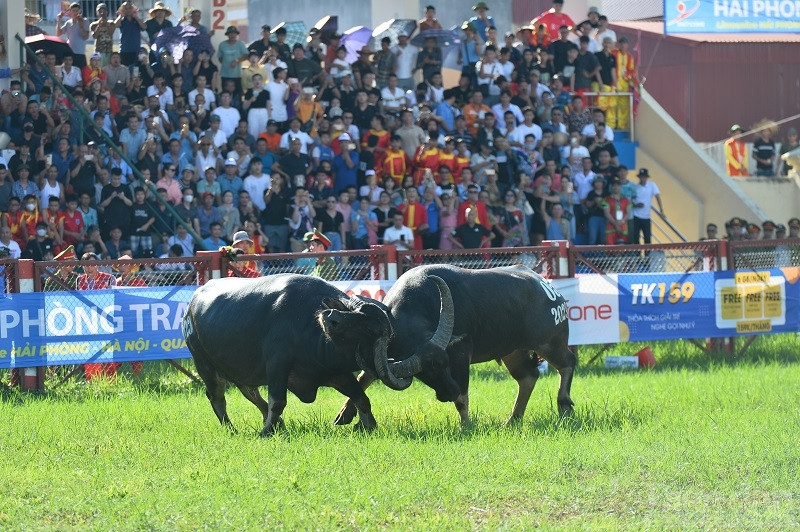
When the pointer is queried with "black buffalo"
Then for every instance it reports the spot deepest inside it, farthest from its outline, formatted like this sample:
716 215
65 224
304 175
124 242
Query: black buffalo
499 313
256 332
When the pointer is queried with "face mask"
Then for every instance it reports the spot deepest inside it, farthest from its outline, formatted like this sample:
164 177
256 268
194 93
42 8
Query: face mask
188 198
530 147
30 206
142 57
41 232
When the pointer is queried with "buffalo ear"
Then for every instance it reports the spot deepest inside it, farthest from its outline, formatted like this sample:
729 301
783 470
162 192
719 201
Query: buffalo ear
335 304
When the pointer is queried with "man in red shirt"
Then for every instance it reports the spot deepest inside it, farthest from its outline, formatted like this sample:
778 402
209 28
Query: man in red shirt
94 279
553 19
415 215
473 203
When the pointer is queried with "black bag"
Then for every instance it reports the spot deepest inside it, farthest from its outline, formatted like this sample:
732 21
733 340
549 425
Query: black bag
308 125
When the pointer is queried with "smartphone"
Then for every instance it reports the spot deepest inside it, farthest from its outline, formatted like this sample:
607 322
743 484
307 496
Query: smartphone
15 94
136 71
48 159
403 238
89 157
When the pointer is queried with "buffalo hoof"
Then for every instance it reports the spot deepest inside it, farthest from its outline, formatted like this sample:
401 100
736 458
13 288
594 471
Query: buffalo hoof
565 410
346 414
361 426
513 421
268 431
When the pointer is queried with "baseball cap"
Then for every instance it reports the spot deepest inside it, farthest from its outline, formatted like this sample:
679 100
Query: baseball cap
215 118
344 137
230 161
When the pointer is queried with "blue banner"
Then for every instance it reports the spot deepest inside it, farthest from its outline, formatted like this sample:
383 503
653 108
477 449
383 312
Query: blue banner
663 306
731 16
41 329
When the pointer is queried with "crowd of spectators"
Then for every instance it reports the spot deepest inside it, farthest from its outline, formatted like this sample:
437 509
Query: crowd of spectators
278 141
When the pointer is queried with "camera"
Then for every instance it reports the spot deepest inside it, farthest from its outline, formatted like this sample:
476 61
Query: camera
15 94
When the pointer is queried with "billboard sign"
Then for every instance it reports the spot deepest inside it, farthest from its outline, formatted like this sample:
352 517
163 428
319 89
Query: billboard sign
731 16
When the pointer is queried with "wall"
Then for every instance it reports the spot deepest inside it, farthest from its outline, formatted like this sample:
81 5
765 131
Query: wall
693 190
350 12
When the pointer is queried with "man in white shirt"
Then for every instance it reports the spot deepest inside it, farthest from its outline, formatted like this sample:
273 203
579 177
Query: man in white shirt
645 191
13 248
294 133
257 183
603 31
499 109
393 98
202 88
398 235
584 178
70 75
527 127
406 61
160 88
229 116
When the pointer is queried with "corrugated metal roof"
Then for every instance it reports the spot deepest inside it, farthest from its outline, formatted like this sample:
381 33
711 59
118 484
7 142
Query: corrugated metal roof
626 10
658 28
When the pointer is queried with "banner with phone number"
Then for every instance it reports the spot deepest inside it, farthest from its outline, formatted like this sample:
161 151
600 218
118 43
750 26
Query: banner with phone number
708 304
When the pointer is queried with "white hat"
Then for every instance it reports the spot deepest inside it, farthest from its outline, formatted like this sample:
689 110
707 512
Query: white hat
344 136
241 236
369 172
230 161
402 34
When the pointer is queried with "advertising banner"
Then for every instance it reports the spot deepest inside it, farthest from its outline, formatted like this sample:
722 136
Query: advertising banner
592 308
131 324
663 306
121 325
731 16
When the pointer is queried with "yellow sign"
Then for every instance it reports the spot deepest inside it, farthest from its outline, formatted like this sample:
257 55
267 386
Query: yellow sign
751 302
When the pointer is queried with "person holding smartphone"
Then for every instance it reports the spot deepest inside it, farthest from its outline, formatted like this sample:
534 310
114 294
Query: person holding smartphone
399 235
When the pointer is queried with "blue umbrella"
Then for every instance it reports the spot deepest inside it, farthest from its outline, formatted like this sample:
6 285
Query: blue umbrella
392 28
296 32
179 38
354 40
444 38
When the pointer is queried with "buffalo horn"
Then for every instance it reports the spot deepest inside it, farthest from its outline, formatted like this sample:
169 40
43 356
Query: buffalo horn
441 338
382 368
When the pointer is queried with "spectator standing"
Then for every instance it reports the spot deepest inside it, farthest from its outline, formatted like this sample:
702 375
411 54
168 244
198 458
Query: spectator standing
736 153
103 32
645 191
617 210
231 54
481 21
790 144
8 244
627 81
764 153
398 235
116 201
75 31
406 61
159 20
94 279
429 22
554 19
130 28
470 235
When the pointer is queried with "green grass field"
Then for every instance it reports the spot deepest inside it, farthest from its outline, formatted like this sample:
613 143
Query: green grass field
702 441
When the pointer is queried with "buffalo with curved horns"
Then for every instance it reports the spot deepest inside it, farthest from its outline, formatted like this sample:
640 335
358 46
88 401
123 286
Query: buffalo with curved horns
499 313
264 331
